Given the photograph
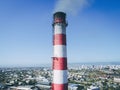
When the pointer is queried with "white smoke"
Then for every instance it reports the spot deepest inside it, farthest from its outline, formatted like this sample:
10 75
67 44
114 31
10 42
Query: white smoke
71 6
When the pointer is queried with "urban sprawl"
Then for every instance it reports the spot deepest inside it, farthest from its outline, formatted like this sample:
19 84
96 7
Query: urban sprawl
80 77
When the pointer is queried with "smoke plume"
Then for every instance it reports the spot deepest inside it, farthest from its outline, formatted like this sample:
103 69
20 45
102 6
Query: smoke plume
71 6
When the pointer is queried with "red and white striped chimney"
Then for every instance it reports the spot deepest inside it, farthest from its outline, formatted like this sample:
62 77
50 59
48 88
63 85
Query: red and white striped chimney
60 81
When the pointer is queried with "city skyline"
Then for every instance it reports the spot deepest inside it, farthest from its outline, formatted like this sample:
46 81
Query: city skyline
93 34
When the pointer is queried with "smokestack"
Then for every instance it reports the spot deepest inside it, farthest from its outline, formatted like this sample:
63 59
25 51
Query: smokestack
60 81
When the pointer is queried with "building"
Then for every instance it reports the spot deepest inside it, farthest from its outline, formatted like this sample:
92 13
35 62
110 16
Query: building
93 88
75 87
117 80
21 88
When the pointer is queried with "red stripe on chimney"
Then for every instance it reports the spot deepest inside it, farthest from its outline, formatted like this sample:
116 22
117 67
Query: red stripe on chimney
59 39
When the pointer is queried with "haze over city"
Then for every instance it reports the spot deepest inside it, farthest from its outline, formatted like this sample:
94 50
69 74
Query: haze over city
93 32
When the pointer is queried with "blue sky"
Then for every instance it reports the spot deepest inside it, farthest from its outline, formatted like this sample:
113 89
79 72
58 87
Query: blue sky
93 35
